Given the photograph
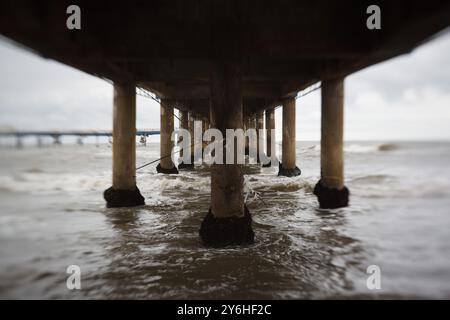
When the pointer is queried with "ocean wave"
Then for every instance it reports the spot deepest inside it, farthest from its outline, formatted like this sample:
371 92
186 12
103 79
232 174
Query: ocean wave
180 182
357 148
388 192
4 189
388 147
370 148
386 186
372 178
57 182
34 170
274 184
360 148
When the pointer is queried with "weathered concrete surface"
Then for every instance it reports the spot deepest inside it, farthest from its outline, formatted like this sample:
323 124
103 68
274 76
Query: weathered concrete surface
124 192
228 222
259 135
230 231
332 137
124 137
191 132
270 125
166 145
252 147
205 126
184 124
227 195
330 190
288 166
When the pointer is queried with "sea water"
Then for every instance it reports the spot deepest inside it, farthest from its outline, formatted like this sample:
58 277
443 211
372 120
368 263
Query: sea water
52 216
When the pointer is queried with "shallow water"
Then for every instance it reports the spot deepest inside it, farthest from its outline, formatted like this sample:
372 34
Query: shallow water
53 215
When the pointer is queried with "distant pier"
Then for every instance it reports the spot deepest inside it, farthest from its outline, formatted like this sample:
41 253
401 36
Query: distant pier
58 134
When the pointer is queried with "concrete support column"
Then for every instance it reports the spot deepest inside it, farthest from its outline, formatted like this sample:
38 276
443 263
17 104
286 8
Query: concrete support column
330 190
246 127
252 125
184 124
259 136
270 125
166 145
228 221
197 143
248 122
288 167
205 126
124 192
191 132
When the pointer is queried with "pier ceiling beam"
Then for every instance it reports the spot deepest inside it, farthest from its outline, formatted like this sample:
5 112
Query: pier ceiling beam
144 33
201 90
254 106
330 190
257 69
228 221
124 192
175 39
201 107
198 106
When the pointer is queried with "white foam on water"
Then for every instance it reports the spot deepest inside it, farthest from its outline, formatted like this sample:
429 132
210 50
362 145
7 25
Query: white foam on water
352 147
360 148
301 251
49 183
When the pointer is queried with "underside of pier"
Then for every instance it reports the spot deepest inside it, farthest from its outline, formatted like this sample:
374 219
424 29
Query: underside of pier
226 61
168 47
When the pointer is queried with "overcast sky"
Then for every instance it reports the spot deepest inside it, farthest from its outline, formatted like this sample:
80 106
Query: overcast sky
405 98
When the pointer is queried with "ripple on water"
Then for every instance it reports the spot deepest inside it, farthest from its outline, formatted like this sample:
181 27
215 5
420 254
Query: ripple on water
154 251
